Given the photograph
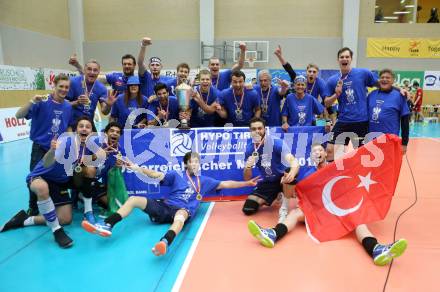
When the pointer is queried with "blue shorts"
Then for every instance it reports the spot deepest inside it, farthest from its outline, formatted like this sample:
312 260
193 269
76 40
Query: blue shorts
160 212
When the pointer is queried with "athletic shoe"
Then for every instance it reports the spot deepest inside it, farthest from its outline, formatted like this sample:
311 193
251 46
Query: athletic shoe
384 254
266 236
101 228
89 222
15 222
62 238
160 248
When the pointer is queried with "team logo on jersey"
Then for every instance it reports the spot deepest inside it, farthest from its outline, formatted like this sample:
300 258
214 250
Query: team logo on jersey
301 118
376 111
349 92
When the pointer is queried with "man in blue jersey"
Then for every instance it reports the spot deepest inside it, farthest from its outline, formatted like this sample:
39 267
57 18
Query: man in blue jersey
276 164
270 98
165 109
149 79
182 73
204 102
117 80
68 164
50 118
239 104
186 193
382 254
300 107
86 91
388 110
349 87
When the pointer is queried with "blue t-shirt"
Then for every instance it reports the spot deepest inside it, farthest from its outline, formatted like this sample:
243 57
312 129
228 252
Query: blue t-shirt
300 112
223 81
199 118
117 80
317 89
250 104
182 194
270 105
148 83
172 84
353 105
97 93
385 110
304 172
271 158
49 118
121 111
68 154
173 109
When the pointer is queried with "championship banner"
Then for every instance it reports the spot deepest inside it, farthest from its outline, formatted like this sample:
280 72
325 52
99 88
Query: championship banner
21 78
11 128
410 76
431 80
403 48
222 153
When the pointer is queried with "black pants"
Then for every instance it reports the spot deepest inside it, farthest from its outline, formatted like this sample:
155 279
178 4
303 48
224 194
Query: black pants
36 155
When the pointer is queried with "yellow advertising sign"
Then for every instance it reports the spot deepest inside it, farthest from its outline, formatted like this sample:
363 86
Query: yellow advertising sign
403 48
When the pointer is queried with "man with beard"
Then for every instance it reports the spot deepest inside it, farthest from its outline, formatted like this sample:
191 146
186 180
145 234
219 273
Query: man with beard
117 80
270 156
239 104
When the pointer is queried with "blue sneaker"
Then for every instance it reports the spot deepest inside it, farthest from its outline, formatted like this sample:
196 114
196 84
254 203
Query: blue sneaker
88 222
266 236
384 254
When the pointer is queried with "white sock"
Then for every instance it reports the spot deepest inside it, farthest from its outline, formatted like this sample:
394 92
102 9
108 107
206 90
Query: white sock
47 209
29 221
285 202
88 205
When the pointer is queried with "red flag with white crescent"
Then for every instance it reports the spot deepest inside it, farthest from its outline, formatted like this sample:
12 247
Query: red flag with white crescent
357 189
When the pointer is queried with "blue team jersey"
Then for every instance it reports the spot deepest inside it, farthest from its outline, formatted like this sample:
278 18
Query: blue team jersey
97 93
148 83
173 109
117 80
270 103
223 80
121 111
199 118
49 119
182 194
271 158
171 85
352 103
318 89
304 172
248 107
385 110
110 162
67 155
301 112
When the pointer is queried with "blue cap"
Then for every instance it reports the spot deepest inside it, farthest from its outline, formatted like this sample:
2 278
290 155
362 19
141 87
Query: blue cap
133 80
300 78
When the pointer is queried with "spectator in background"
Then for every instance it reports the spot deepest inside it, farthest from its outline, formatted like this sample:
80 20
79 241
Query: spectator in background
434 16
418 100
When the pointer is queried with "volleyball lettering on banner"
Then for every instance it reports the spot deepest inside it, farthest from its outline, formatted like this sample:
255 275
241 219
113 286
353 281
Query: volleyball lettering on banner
222 153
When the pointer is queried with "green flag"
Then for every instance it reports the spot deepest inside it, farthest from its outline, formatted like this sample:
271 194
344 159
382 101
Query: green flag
116 190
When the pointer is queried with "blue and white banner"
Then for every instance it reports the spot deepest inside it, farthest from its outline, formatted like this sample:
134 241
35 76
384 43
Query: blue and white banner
282 74
221 150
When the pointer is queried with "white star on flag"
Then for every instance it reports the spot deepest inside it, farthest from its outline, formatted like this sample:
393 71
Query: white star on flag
366 181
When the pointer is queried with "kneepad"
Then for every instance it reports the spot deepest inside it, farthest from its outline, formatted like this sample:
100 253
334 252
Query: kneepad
250 207
86 187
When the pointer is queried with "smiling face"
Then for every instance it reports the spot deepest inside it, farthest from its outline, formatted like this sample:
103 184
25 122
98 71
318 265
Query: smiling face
183 73
300 87
264 81
312 73
386 81
91 72
113 135
318 154
84 129
344 60
214 66
62 88
237 83
128 66
205 82
134 89
193 166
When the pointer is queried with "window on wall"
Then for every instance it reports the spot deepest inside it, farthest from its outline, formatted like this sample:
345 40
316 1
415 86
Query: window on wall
406 11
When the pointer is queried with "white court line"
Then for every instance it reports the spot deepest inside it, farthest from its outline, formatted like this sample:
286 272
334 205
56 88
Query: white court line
182 273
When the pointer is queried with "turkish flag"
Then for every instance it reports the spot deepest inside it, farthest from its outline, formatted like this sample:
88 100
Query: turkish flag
354 190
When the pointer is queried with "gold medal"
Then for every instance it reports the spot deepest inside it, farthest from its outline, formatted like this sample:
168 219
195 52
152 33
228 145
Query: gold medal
119 155
78 168
199 197
255 154
197 187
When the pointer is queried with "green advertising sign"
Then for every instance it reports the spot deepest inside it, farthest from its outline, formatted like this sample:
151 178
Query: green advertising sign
410 76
